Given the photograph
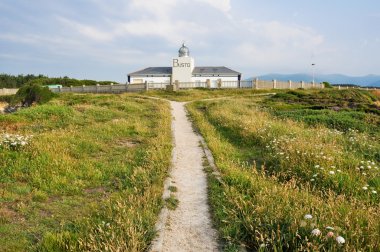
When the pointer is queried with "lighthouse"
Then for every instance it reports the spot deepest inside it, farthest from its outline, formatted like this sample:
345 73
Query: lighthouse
183 65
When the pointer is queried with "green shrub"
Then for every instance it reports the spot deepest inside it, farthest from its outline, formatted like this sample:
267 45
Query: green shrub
33 93
327 84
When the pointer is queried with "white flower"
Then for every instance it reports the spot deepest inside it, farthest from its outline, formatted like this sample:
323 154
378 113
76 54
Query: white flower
332 172
308 216
374 192
340 240
365 188
312 180
316 232
315 175
316 166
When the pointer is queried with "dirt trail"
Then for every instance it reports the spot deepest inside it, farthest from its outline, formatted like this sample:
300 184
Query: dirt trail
188 227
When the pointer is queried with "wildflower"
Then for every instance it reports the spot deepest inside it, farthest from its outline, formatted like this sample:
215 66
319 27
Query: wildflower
316 166
361 167
340 240
316 232
369 167
315 175
365 188
329 228
332 172
312 180
330 234
374 192
308 216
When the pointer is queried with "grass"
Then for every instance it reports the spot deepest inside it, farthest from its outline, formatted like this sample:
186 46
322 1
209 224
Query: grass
337 109
275 171
91 176
202 93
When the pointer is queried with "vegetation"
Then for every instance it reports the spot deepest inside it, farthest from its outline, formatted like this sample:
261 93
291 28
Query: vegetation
83 173
289 185
203 93
338 109
10 81
33 93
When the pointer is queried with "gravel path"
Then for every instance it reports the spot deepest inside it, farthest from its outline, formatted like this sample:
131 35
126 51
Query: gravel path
188 227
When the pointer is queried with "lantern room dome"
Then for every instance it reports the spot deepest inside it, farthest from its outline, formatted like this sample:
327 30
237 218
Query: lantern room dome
183 51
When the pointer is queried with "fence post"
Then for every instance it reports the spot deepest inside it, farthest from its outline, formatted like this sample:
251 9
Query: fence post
313 84
290 84
176 84
302 84
146 86
83 86
71 88
274 84
59 89
111 87
219 83
208 83
257 83
97 88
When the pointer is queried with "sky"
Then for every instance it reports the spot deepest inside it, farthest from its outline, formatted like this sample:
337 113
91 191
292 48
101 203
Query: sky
107 39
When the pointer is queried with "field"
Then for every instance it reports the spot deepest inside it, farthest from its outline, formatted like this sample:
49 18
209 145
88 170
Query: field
83 172
299 170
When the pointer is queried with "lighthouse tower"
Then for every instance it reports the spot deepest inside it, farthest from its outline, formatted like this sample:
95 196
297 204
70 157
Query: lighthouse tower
183 66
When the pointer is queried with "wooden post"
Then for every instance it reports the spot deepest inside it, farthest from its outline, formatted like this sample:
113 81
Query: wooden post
83 88
59 89
97 88
111 87
274 84
71 88
146 86
257 83
290 84
302 84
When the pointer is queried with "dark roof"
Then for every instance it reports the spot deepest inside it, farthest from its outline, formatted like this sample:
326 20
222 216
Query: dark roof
159 71
154 71
221 70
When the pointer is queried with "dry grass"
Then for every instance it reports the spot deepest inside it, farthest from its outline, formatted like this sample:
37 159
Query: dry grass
90 178
268 184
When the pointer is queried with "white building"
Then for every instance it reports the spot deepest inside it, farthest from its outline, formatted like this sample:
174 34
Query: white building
184 70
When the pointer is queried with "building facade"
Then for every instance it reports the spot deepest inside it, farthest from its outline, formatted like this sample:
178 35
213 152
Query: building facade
183 70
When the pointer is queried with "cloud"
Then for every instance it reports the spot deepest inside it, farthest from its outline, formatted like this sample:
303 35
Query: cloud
276 44
222 5
88 31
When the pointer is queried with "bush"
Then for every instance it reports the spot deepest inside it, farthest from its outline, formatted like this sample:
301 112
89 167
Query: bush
327 84
33 93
